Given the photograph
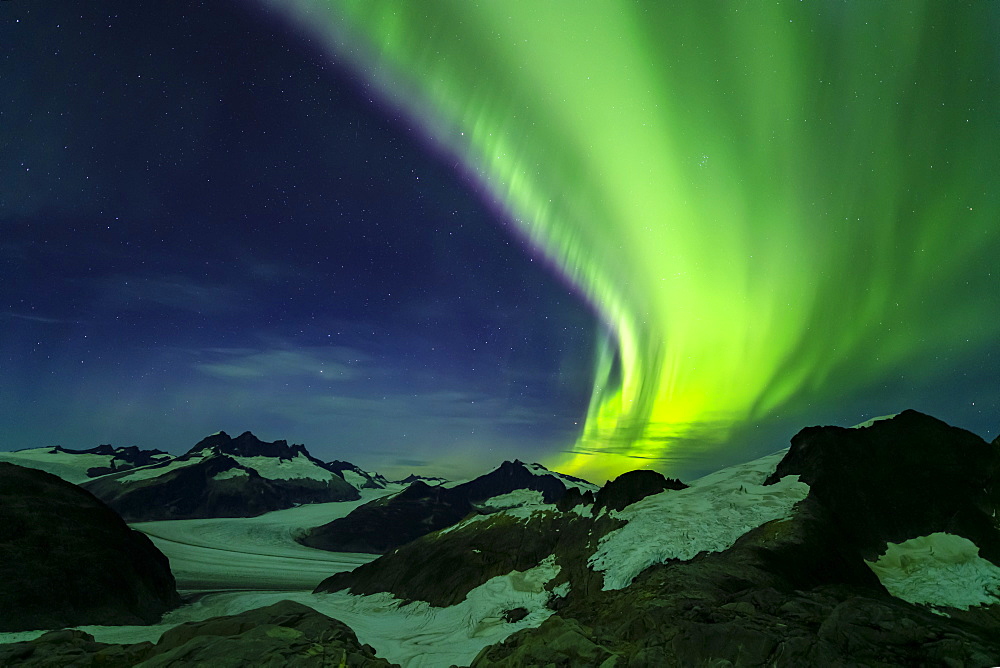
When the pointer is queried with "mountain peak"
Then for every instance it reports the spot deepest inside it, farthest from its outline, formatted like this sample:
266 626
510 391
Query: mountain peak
247 445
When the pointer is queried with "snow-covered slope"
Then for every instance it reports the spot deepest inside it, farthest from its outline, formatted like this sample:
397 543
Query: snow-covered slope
77 466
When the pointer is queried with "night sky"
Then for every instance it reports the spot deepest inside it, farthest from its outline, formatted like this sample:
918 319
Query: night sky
427 237
207 224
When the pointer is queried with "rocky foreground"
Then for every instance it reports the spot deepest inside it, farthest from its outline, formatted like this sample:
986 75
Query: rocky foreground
283 634
803 588
68 559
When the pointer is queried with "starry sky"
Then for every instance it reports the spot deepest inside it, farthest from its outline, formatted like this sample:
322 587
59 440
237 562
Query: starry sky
432 236
207 224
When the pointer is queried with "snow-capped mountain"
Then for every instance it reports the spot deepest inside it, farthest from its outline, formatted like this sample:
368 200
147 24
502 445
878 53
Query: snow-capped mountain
77 466
877 545
357 477
388 522
430 480
223 476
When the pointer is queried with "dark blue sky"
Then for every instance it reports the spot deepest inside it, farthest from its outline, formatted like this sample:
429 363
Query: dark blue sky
208 224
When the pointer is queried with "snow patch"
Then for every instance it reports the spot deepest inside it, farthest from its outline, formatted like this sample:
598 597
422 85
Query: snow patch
941 569
517 498
708 516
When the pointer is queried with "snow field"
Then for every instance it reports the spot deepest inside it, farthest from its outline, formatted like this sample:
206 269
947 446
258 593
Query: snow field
710 515
69 467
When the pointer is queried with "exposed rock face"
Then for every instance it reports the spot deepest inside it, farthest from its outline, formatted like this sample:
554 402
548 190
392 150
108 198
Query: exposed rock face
223 477
441 568
633 486
283 634
897 479
384 524
68 559
792 591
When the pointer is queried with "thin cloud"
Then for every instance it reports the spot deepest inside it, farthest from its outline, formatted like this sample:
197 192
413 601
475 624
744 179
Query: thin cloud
176 292
266 364
37 318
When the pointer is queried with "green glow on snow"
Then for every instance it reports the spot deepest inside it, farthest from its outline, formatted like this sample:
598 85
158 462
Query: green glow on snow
769 204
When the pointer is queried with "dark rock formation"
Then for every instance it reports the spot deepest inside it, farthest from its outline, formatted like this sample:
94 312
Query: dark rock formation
219 477
633 486
908 476
384 524
67 559
283 634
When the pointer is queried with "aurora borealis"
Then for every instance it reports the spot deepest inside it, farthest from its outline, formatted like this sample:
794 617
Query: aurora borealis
769 204
429 236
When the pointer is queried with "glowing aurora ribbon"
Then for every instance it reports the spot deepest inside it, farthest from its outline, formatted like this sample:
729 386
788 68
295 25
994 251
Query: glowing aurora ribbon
766 202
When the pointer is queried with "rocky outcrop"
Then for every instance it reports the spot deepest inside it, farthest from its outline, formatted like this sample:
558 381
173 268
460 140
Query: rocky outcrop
899 478
68 559
283 634
633 486
384 524
223 477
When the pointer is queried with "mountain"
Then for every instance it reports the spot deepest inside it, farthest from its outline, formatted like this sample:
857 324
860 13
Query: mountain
223 476
386 523
77 466
876 545
67 559
356 477
430 480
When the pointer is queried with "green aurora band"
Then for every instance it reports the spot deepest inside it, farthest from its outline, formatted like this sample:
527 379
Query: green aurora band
769 204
